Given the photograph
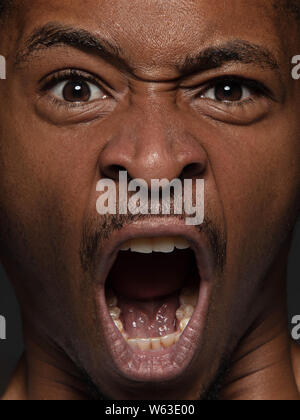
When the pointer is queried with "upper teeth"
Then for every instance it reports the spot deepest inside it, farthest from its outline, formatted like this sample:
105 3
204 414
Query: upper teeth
149 245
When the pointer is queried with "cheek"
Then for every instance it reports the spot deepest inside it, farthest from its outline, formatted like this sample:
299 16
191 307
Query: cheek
257 176
43 192
42 165
41 207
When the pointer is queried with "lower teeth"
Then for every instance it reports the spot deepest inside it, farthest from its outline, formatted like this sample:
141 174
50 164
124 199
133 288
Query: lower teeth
188 301
157 343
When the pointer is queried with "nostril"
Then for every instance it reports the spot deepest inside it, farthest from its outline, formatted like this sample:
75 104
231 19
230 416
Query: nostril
112 171
192 170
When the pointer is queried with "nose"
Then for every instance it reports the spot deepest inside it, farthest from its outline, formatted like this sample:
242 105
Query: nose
156 145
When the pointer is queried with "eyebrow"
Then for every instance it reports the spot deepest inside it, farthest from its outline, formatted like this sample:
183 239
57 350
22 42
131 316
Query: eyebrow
233 51
53 35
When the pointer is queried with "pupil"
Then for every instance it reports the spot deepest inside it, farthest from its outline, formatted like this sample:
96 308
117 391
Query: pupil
77 91
229 92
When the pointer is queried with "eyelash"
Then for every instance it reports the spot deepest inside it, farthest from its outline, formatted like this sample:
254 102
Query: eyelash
69 74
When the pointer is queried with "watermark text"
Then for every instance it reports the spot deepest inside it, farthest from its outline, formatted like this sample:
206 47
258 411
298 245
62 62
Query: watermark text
2 67
2 328
296 328
161 197
296 68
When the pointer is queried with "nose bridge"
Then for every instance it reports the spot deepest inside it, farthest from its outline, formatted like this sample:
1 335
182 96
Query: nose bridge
154 109
153 142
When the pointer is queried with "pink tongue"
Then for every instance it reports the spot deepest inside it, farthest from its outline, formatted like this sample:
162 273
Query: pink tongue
145 319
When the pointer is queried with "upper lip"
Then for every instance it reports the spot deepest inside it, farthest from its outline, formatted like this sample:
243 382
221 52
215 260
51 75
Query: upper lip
108 254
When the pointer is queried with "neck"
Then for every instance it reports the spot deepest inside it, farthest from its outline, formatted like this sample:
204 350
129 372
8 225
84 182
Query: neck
46 375
265 364
269 375
264 367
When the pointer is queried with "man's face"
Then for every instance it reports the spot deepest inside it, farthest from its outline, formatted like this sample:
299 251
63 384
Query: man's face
188 89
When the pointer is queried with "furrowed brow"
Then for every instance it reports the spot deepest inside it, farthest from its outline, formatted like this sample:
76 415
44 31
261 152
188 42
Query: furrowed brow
53 35
234 51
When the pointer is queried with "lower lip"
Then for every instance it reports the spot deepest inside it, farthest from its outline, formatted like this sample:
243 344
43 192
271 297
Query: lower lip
154 366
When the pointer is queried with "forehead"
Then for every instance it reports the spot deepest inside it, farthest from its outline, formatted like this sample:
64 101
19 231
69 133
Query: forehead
156 32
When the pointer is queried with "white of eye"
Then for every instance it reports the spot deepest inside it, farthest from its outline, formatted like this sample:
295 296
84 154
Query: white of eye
211 94
95 92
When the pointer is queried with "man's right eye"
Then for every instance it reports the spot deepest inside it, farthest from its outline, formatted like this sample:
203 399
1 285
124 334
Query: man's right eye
77 91
72 96
73 87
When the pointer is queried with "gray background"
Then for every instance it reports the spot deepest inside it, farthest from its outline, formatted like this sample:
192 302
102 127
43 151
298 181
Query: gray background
11 349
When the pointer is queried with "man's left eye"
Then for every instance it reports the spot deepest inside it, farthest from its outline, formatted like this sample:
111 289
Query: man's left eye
77 91
232 91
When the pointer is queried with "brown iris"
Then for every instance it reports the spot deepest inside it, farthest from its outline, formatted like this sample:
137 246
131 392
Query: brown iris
229 91
77 91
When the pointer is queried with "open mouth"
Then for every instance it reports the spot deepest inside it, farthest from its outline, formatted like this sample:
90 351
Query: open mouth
152 291
155 305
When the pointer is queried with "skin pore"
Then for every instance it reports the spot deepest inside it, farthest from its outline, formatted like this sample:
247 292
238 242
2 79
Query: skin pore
153 68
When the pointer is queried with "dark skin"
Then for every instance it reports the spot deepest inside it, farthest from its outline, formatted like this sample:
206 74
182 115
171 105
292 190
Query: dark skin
151 121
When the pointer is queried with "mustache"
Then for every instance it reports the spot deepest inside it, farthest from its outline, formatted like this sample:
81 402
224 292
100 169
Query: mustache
97 231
